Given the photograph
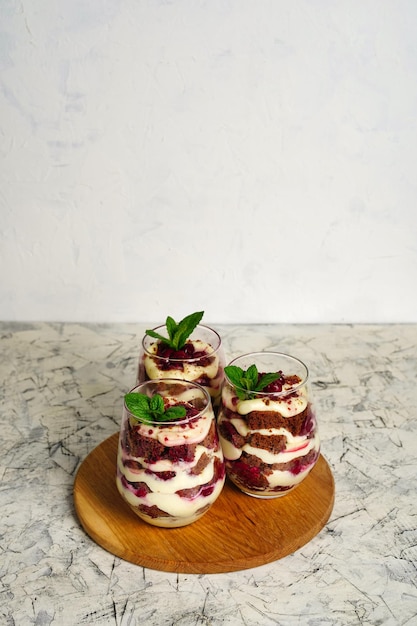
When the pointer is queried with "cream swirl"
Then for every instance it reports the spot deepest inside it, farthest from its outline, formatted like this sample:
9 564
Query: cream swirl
190 370
287 406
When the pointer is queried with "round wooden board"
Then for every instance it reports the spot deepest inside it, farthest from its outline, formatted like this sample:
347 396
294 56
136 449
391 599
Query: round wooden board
238 532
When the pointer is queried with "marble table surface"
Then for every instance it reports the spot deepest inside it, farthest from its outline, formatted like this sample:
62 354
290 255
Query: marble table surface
61 392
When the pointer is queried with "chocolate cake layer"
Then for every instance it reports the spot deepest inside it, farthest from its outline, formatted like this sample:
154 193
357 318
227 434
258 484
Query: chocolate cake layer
263 420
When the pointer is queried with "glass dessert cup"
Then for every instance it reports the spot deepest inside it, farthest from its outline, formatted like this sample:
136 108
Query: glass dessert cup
171 472
201 360
269 438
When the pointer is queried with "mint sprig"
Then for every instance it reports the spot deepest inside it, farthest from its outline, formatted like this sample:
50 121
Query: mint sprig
248 383
178 333
149 410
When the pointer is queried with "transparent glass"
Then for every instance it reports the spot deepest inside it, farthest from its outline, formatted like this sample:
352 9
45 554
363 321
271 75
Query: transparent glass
170 473
205 367
270 440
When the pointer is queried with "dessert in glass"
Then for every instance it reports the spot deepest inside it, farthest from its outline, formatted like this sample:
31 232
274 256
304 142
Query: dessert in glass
267 424
187 350
170 467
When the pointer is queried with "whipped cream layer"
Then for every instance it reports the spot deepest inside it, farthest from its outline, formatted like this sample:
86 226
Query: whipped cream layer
286 405
206 370
179 433
293 450
191 370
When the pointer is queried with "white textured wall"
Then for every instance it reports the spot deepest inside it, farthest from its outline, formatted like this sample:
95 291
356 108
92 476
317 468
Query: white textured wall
256 159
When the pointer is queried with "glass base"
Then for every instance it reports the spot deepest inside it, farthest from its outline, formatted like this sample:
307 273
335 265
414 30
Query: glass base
260 496
264 495
168 522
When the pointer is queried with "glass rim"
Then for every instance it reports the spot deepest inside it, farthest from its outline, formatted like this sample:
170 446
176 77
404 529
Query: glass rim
176 381
192 359
288 392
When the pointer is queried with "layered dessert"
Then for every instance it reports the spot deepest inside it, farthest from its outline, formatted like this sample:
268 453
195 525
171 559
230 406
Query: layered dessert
197 357
269 438
171 472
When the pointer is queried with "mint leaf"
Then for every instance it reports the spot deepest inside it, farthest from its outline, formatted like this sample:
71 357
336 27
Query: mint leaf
149 410
156 404
178 333
251 378
185 328
247 383
266 380
175 413
138 405
171 325
234 374
155 335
